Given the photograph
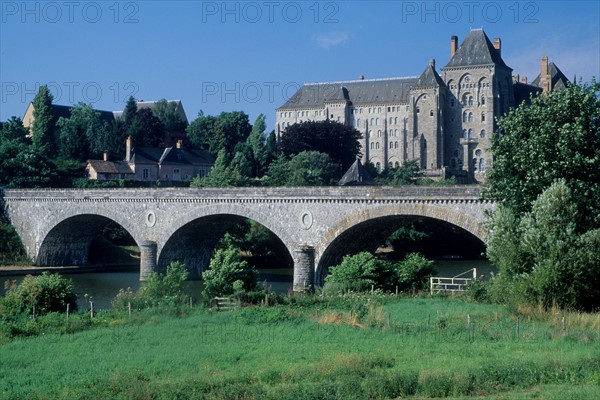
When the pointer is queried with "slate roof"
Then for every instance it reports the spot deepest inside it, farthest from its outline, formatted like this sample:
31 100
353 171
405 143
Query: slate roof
523 92
359 92
476 50
65 112
152 105
357 175
170 155
110 167
429 78
559 80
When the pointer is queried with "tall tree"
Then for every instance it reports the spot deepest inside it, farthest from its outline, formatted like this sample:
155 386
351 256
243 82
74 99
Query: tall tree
171 120
337 140
219 133
42 129
256 140
83 134
557 136
129 112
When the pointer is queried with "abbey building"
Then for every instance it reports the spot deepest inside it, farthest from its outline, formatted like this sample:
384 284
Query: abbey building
445 120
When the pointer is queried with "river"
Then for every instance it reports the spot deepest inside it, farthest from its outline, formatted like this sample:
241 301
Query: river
103 286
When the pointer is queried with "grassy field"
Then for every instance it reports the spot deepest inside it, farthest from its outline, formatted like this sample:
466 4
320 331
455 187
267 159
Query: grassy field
353 348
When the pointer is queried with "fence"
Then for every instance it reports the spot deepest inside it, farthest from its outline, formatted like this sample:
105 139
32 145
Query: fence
438 284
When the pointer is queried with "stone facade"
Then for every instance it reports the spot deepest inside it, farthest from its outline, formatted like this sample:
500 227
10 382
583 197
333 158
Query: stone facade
58 226
444 120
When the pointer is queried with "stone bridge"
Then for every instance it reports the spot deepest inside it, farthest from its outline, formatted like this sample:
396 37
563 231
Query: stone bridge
317 225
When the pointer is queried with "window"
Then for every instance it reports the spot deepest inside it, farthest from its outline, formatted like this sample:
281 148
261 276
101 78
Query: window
372 120
482 100
391 120
396 164
123 176
145 173
464 133
482 134
376 121
377 146
358 122
470 100
379 133
390 165
418 109
378 166
431 113
395 120
478 152
395 145
465 116
465 99
391 145
470 133
470 117
389 109
481 165
451 102
372 145
475 165
482 117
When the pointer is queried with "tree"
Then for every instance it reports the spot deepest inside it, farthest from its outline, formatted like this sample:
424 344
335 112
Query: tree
228 274
13 129
222 174
147 130
219 133
129 112
557 136
308 168
256 141
339 141
168 115
406 174
542 258
42 129
83 135
23 166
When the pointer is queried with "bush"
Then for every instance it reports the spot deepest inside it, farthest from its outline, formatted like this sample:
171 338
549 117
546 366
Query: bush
168 288
414 272
46 293
228 274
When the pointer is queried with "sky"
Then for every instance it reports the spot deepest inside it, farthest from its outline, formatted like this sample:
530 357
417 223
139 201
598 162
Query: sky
252 56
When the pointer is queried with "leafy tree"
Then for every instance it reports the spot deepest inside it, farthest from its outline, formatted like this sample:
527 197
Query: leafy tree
13 129
23 166
174 125
270 152
83 135
45 293
256 141
406 174
337 140
413 272
167 288
546 260
228 274
222 174
214 134
308 168
42 129
147 130
557 136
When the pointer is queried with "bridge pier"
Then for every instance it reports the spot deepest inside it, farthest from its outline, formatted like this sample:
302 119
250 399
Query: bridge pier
304 269
148 259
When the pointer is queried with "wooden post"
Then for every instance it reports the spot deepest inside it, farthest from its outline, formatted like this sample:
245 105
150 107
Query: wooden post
372 288
191 304
564 327
68 306
129 309
396 290
517 327
91 309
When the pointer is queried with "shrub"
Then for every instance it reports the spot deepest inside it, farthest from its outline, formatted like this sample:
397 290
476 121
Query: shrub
414 272
46 293
168 288
228 274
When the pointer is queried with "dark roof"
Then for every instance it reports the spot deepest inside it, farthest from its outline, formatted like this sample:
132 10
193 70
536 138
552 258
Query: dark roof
356 175
59 111
110 167
360 92
476 50
559 80
170 155
523 92
429 78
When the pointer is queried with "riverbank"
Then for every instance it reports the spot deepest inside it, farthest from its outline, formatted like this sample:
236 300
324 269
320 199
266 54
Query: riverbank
347 348
21 270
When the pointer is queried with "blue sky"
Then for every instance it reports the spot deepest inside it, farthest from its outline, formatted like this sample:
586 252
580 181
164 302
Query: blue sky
251 55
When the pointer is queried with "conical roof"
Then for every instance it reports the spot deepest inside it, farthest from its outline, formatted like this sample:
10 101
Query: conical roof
357 175
476 50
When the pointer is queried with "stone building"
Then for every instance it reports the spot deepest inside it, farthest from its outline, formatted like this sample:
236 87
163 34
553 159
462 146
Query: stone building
445 119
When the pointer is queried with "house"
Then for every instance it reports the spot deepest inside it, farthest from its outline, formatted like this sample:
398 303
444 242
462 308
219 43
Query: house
444 120
152 164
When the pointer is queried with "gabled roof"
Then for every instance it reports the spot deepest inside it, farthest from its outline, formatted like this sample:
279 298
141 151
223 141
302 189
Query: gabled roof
356 175
429 78
152 106
476 50
110 167
559 80
170 155
359 92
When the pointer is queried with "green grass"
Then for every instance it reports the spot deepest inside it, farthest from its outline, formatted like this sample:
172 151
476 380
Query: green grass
354 348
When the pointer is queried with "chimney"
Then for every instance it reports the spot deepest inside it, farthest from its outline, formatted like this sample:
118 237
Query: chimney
453 45
128 149
516 78
432 63
523 79
105 156
544 75
498 45
179 144
361 77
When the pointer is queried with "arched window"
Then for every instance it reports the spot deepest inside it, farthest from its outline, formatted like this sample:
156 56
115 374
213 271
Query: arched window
358 122
379 133
470 100
372 120
481 164
396 164
470 117
470 134
395 120
482 117
372 145
482 100
376 145
396 145
376 121
465 99
391 145
390 165
465 116
378 167
482 134
391 120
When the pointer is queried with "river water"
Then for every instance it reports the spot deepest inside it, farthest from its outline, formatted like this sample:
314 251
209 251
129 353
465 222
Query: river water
103 286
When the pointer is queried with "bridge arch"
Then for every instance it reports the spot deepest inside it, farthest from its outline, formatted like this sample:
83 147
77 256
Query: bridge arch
68 240
372 226
192 237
